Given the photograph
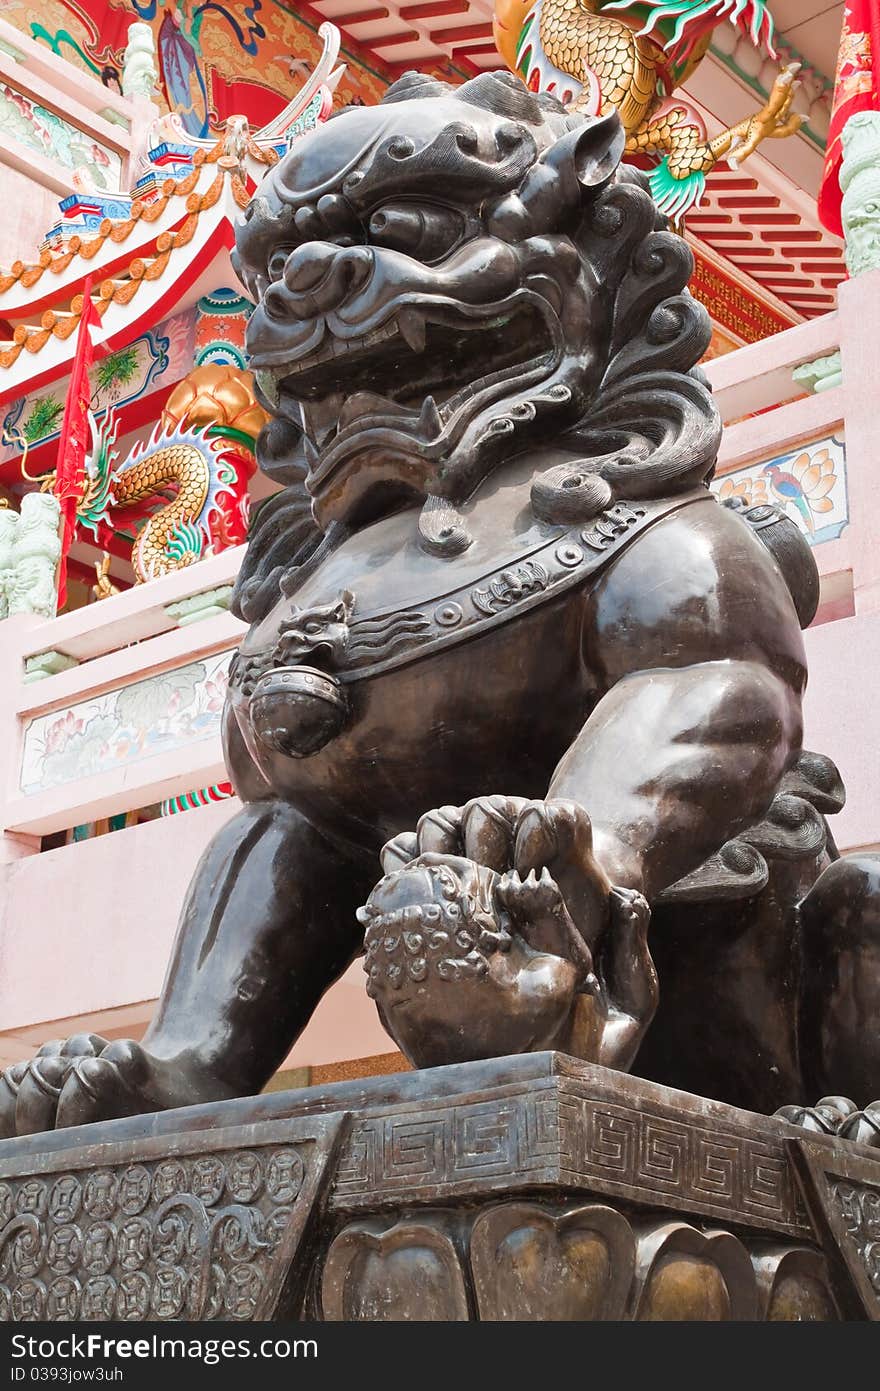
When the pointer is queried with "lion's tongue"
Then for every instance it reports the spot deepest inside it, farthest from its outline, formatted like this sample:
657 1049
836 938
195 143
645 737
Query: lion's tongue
366 403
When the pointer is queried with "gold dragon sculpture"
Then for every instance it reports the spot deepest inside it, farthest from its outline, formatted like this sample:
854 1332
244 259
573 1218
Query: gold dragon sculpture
596 55
195 465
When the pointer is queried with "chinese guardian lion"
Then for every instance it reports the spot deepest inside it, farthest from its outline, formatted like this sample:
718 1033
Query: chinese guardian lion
504 637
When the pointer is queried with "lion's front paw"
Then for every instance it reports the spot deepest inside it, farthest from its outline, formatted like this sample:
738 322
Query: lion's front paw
511 835
475 938
78 1080
550 882
504 899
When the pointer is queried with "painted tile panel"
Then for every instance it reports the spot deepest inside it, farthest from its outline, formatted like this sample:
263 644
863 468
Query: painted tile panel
156 359
118 728
48 134
808 485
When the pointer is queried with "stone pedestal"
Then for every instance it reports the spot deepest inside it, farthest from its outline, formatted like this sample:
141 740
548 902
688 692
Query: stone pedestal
531 1187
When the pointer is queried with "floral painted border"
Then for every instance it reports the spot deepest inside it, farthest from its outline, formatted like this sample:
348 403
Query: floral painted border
808 485
106 732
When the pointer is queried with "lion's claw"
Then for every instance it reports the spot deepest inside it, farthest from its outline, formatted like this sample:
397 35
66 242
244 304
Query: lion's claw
93 1086
837 1115
630 907
31 1092
547 845
531 897
38 1095
85 1078
550 884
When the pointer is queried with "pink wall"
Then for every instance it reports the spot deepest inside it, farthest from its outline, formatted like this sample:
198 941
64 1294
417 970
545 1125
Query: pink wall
93 912
108 942
841 719
29 209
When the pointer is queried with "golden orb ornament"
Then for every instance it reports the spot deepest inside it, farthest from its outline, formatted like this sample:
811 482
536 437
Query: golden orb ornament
215 395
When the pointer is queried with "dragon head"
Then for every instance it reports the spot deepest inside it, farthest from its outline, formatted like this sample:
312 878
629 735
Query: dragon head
421 293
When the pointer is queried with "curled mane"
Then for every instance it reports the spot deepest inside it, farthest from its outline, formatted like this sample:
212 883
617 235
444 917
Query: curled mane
652 428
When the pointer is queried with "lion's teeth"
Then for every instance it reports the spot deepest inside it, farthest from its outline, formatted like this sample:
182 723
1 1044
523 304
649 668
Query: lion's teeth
331 347
430 424
412 328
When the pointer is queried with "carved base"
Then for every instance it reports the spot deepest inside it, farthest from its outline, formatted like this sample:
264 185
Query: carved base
532 1187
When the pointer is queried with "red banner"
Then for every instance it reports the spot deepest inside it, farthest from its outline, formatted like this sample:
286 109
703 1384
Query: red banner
70 475
856 88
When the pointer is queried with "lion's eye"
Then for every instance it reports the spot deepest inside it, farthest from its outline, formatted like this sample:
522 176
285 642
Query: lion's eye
429 233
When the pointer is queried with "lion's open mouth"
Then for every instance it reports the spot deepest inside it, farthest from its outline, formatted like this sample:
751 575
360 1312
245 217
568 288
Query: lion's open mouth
418 378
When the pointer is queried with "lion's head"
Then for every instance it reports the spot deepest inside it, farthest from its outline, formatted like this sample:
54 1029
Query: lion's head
449 277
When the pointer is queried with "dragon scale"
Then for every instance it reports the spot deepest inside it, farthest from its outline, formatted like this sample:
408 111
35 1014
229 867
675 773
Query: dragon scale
592 46
602 55
180 464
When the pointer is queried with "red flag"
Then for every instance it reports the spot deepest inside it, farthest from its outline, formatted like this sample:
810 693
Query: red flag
856 88
70 474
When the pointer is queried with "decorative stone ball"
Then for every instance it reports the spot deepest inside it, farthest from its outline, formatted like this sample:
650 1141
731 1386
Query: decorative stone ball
452 978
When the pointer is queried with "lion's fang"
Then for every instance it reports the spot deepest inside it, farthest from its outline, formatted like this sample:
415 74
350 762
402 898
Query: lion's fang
412 329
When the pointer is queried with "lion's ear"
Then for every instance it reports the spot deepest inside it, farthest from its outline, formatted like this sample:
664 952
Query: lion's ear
598 149
575 165
587 156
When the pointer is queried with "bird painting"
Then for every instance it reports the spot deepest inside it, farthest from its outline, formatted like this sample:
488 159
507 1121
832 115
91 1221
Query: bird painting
803 484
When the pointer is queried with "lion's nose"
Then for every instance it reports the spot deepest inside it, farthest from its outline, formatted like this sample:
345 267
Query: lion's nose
307 265
319 277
